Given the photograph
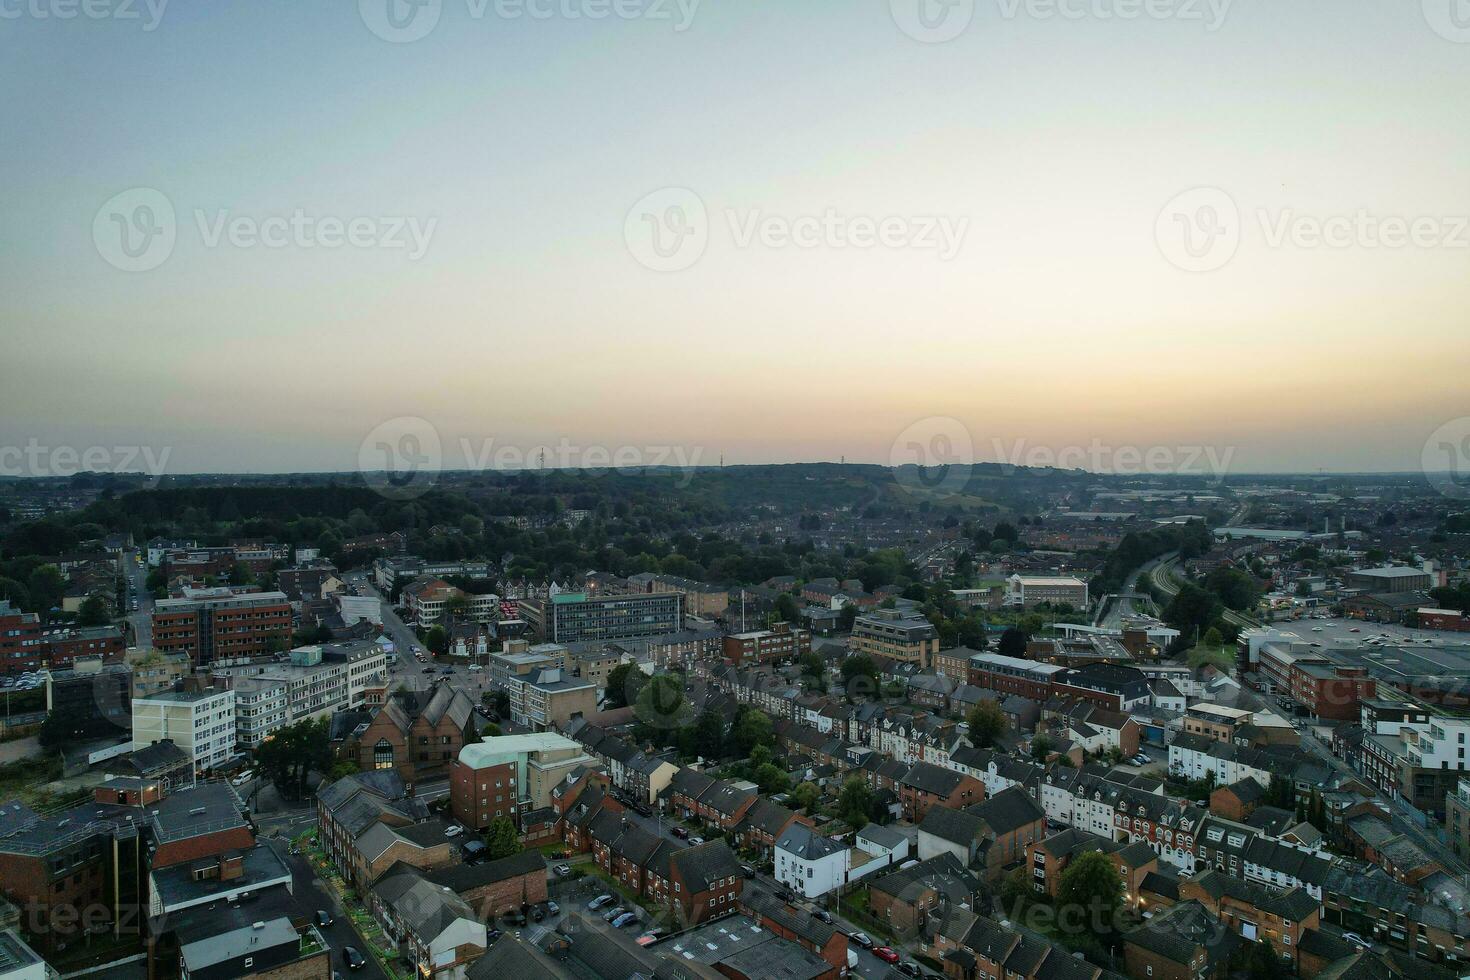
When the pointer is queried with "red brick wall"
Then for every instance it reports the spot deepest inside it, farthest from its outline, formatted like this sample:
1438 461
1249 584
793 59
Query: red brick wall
508 895
205 845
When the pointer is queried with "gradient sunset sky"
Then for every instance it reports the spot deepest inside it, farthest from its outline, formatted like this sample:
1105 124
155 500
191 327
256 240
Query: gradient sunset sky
529 319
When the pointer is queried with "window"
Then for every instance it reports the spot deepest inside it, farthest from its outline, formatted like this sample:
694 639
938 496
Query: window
383 754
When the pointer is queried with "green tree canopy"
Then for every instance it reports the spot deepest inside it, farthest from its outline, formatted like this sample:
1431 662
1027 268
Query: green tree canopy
987 723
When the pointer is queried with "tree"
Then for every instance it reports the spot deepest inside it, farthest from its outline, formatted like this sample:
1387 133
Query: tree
491 730
752 730
1213 639
813 669
94 612
288 757
1091 884
805 796
855 802
1263 963
786 611
1013 642
623 684
1041 747
662 707
860 675
771 779
709 734
987 723
501 840
436 639
846 617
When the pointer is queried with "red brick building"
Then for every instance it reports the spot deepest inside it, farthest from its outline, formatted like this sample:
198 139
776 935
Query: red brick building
417 734
496 887
219 624
781 642
926 785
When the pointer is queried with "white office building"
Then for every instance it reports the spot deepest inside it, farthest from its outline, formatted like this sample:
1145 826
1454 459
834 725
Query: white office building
202 723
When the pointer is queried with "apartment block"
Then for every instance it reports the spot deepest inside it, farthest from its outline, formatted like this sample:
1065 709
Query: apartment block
572 617
202 723
220 624
781 642
898 634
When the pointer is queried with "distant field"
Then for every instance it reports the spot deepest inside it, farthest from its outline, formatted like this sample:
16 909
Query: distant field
1222 657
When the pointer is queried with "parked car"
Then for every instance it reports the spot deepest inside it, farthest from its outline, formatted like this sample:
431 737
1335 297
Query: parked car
886 954
1355 939
613 913
453 830
492 934
823 916
626 919
552 908
747 871
537 913
353 959
563 870
861 938
323 918
598 902
680 833
696 840
243 778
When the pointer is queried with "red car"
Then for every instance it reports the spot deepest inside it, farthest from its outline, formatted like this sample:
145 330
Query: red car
886 954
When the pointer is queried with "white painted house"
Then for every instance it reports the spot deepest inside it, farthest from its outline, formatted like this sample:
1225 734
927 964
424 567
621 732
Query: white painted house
810 864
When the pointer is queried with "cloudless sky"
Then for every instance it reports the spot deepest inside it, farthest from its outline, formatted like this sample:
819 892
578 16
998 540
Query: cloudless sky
1060 321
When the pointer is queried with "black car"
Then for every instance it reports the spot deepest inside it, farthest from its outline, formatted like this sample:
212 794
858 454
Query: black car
538 913
323 918
353 959
491 935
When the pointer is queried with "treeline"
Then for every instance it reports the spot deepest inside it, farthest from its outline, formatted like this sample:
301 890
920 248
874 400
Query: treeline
1140 547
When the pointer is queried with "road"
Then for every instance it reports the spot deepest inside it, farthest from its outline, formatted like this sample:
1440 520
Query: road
313 895
1167 577
135 570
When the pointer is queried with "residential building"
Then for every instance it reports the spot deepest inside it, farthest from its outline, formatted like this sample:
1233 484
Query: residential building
219 624
809 864
573 617
434 928
782 642
898 634
268 949
201 722
314 682
550 698
510 775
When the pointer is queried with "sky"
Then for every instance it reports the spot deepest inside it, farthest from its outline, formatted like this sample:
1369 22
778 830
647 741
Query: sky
886 231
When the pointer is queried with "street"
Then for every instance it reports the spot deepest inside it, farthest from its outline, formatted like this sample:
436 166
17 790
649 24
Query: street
340 934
